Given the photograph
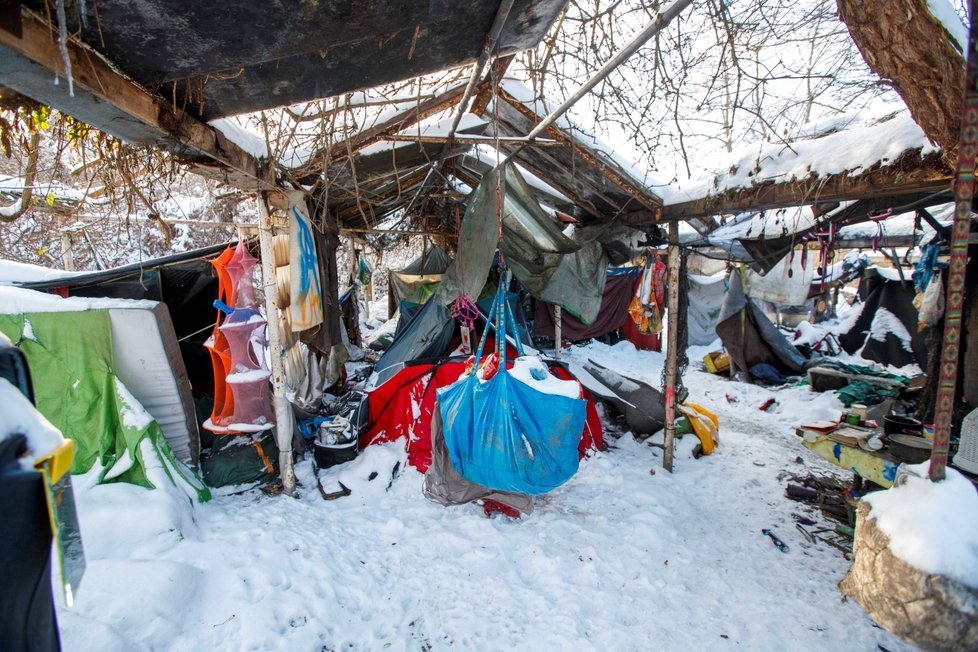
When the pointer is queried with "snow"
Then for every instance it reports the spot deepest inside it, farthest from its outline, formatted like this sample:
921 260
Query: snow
247 140
14 272
18 416
134 415
846 145
15 301
932 525
386 569
533 372
948 18
886 323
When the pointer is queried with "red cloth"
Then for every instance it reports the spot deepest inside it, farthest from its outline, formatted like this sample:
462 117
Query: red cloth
402 408
643 342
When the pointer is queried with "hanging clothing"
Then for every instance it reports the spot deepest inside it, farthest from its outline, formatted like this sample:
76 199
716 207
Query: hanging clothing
648 306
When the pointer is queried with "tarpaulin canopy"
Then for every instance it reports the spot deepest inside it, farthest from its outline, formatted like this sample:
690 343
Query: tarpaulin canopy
566 270
703 308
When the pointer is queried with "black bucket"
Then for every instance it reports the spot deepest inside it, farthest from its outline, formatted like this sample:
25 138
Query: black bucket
328 455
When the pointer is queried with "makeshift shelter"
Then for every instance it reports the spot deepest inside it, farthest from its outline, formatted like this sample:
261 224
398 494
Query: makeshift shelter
749 336
416 280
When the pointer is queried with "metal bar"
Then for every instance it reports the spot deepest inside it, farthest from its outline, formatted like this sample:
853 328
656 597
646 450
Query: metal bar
283 411
964 190
653 28
557 327
672 344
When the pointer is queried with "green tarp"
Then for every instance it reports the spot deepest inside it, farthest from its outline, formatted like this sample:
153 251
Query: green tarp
566 270
71 361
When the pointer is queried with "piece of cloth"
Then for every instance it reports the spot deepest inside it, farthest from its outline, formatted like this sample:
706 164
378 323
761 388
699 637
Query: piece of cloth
648 306
612 315
306 301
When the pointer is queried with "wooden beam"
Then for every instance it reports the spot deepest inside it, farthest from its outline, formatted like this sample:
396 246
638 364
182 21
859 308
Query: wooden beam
343 149
109 101
608 169
497 72
839 187
475 140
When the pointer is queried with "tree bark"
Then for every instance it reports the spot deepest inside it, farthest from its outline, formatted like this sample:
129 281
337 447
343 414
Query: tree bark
902 43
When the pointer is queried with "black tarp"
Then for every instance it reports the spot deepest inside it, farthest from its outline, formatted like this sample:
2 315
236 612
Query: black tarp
426 269
749 336
872 332
428 334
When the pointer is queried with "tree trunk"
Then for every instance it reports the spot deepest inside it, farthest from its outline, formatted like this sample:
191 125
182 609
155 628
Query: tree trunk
902 43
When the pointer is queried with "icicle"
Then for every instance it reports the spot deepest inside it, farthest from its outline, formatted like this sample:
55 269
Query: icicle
82 14
63 46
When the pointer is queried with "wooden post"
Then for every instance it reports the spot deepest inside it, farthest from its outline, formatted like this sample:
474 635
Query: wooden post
283 411
964 190
672 344
557 312
67 258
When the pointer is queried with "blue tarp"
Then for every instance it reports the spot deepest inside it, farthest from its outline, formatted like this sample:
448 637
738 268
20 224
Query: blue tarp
505 435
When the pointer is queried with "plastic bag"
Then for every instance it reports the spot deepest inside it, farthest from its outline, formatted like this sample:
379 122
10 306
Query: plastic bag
931 304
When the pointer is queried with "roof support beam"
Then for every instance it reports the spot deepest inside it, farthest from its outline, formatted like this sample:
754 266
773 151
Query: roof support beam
839 187
111 102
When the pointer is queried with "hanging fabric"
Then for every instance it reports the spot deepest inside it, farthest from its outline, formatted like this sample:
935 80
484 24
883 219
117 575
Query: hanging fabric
648 305
502 433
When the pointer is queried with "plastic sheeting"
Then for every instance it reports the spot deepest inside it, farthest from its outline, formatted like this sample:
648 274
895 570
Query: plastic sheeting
424 271
878 341
750 337
787 283
705 301
566 270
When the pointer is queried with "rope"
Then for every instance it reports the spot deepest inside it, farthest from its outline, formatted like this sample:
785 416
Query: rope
465 311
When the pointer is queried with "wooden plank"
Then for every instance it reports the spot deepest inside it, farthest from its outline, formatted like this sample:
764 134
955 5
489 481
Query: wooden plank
475 140
598 164
109 101
672 345
839 187
497 72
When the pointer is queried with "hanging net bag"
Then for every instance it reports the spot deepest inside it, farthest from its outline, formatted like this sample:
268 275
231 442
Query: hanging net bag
502 433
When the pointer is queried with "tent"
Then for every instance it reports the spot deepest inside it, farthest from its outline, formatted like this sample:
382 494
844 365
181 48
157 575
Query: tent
417 280
749 336
885 328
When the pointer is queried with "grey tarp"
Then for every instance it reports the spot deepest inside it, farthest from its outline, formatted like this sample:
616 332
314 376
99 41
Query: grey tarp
425 269
749 336
445 486
705 301
427 335
566 270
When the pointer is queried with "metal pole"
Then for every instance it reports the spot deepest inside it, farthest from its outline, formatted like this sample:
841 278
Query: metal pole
653 28
672 344
283 411
964 190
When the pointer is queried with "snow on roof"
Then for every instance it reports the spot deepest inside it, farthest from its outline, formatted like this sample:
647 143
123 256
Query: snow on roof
14 272
438 127
931 525
525 95
847 144
16 301
900 224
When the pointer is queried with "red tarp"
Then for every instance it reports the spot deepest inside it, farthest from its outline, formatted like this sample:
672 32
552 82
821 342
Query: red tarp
402 408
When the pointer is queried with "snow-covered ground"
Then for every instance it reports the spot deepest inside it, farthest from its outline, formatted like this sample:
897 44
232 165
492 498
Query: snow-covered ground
625 556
